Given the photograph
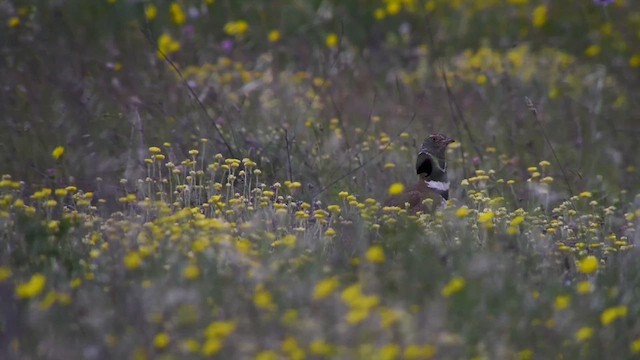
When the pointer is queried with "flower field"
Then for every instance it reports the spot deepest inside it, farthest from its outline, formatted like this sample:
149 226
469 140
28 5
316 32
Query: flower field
207 179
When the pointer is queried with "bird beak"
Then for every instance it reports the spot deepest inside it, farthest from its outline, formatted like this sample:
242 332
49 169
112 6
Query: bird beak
449 141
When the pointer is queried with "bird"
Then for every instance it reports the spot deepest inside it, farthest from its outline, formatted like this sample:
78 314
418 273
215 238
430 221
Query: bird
433 183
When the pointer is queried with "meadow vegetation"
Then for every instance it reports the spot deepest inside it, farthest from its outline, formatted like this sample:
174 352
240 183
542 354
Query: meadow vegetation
205 179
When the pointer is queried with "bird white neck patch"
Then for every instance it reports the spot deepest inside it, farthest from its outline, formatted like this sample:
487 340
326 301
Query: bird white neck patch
437 185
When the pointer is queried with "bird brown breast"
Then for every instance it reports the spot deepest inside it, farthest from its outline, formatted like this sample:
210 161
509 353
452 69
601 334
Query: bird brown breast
415 197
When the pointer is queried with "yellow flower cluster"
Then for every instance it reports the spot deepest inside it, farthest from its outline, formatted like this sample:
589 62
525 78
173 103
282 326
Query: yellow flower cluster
263 299
325 288
375 254
177 14
611 314
455 285
215 335
31 288
360 305
236 28
167 45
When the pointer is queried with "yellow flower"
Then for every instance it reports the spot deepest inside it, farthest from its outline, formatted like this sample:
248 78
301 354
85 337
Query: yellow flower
539 16
132 260
396 189
379 14
606 29
267 355
588 265
584 287
190 345
584 333
526 354
513 230
290 240
357 315
611 314
57 152
291 348
388 317
393 7
13 22
635 346
585 194
518 2
220 329
546 180
430 5
5 273
320 348
61 192
167 45
375 254
417 352
236 28
454 286
150 12
562 302
274 36
516 220
324 288
32 288
334 209
290 317
191 272
462 211
293 185
48 300
593 50
389 352
262 299
634 60
177 15
332 40
211 347
351 294
161 340
486 219
516 57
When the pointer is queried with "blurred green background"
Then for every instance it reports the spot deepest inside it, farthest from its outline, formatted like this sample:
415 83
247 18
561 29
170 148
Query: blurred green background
87 76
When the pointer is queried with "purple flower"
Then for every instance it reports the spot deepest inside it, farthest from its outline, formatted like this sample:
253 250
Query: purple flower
603 2
227 45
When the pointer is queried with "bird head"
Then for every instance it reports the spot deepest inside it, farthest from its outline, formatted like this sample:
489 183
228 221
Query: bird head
431 155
